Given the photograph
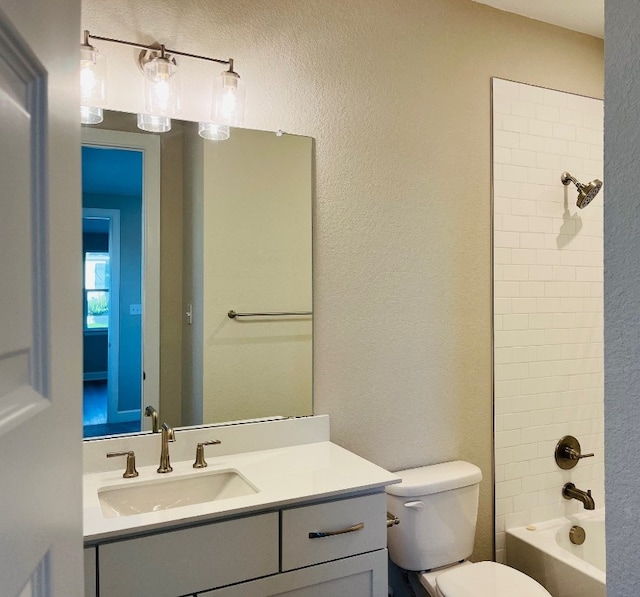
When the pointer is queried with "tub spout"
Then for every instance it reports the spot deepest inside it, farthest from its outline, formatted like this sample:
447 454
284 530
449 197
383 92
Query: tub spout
571 492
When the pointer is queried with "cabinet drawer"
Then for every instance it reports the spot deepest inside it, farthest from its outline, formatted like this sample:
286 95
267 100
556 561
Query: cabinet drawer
360 576
190 560
300 549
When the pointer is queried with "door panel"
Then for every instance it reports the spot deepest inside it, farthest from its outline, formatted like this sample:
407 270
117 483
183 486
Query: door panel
40 357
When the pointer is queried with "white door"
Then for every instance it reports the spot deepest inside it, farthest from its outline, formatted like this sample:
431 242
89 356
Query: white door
40 331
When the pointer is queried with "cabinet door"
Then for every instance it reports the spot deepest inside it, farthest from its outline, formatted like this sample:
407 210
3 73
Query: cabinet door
359 576
90 589
190 560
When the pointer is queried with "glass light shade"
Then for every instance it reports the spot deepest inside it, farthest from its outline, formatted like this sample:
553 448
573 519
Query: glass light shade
154 124
228 99
214 132
161 87
93 93
91 115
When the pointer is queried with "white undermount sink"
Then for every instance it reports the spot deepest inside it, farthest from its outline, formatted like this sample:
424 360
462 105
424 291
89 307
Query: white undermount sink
166 493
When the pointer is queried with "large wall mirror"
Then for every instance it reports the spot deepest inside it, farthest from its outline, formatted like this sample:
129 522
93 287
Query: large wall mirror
177 232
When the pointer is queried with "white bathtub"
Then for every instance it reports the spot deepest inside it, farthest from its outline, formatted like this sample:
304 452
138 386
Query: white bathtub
544 552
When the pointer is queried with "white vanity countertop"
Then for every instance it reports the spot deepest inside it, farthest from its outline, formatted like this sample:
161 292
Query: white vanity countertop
283 476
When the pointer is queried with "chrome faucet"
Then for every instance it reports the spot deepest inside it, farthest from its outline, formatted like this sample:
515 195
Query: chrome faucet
571 492
168 435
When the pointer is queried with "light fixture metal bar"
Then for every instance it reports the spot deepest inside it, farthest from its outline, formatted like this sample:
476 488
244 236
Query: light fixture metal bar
162 48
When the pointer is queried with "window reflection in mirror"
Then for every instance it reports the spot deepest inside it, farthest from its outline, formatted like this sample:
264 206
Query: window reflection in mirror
96 290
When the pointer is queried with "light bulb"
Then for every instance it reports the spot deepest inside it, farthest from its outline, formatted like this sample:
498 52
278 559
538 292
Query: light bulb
92 85
161 87
228 99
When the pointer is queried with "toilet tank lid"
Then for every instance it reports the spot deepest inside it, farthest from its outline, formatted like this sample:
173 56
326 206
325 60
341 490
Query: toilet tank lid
435 478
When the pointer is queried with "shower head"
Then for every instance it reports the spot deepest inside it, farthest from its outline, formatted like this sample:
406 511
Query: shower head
586 192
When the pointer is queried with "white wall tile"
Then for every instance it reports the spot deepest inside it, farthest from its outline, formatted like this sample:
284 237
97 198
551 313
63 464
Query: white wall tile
524 256
517 124
532 240
556 98
523 108
503 188
543 225
588 135
502 155
541 128
506 138
573 116
544 112
579 150
506 239
564 131
532 289
532 142
548 257
522 157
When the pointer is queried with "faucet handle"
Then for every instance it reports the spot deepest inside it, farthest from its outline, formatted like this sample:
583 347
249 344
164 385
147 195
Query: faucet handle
130 471
576 455
568 452
200 461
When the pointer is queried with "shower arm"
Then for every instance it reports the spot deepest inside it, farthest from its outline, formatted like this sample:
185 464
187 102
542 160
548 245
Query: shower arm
567 178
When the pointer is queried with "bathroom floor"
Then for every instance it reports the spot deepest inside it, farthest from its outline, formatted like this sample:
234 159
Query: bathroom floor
94 412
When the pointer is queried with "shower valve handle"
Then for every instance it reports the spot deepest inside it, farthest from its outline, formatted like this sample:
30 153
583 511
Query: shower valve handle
571 453
568 452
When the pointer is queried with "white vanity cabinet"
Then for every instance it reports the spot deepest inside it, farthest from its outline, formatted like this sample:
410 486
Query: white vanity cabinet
329 549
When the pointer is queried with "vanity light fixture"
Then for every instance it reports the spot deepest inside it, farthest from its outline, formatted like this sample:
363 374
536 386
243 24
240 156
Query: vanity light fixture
162 94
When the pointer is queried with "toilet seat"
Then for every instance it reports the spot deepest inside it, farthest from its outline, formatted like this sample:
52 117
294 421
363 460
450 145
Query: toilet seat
488 579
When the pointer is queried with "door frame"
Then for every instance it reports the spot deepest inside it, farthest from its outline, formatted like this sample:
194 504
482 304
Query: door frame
149 145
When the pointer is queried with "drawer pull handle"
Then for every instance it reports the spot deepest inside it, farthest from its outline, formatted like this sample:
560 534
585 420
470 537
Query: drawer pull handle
321 534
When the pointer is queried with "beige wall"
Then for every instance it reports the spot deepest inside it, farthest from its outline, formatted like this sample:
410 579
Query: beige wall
397 96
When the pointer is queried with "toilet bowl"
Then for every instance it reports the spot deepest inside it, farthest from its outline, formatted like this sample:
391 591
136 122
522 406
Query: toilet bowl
483 579
437 506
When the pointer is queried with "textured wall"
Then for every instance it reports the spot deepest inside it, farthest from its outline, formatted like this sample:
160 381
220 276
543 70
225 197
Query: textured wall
622 297
397 96
548 311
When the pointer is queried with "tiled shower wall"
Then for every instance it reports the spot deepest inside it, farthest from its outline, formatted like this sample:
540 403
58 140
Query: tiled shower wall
548 301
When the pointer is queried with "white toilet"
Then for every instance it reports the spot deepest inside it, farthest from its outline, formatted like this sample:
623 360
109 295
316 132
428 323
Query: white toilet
438 507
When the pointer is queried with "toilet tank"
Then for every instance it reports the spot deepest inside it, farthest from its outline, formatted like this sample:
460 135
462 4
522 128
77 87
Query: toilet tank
438 508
